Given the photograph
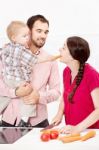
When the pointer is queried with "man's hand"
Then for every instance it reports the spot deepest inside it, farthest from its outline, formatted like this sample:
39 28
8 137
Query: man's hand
33 98
24 89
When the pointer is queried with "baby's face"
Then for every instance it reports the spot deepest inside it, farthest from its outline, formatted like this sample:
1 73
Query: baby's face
23 36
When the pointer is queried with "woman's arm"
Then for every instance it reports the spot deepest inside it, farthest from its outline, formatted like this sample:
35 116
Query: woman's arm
58 117
88 121
94 116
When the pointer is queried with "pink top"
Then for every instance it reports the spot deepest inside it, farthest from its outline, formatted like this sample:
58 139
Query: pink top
83 103
43 74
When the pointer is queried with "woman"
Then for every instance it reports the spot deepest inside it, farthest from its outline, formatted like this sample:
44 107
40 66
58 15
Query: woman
80 102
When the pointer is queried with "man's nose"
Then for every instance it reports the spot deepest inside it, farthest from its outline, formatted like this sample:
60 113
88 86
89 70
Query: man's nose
43 35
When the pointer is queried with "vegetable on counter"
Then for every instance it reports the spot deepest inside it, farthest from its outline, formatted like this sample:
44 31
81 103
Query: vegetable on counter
51 134
70 139
88 135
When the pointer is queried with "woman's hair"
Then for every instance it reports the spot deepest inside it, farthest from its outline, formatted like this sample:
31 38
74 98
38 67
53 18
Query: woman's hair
79 50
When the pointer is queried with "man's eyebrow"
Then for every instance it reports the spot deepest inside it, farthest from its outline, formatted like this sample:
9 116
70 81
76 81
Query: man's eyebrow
47 31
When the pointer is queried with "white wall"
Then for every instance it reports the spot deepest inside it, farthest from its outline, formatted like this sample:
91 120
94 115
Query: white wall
66 17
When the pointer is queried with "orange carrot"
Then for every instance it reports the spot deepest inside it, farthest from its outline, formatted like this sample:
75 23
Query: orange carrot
45 131
49 130
71 139
67 136
88 135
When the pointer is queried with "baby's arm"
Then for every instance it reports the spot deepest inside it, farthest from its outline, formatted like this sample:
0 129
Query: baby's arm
48 58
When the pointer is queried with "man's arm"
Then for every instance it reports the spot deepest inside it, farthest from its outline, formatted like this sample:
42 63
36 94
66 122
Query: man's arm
53 91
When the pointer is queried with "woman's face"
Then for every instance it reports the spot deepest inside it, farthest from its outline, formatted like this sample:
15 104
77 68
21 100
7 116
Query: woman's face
66 56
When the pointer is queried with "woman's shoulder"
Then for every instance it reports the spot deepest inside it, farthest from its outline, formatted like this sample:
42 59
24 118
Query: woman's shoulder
91 77
66 70
66 73
90 71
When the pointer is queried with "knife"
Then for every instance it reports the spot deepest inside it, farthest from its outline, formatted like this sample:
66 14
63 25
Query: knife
48 127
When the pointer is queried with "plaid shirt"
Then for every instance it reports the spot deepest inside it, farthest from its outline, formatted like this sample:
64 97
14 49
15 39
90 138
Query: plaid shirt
17 62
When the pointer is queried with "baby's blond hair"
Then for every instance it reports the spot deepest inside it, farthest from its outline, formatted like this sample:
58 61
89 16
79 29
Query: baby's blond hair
14 27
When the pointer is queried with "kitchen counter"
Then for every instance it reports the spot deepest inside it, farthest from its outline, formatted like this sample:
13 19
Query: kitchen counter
31 141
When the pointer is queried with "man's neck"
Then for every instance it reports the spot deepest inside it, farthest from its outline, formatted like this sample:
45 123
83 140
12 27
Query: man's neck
34 49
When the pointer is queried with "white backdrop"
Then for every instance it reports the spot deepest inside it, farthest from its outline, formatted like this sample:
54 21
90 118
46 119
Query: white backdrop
66 17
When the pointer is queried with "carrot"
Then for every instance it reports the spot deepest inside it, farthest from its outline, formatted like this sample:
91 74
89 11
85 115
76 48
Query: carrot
76 134
49 130
70 139
67 136
45 131
90 134
52 129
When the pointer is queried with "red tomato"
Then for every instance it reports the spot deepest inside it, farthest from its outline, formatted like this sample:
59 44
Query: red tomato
45 137
54 134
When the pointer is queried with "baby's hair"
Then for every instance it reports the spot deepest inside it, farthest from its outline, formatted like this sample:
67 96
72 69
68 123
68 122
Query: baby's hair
14 27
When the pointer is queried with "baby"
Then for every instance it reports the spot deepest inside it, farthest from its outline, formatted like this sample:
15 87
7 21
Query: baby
18 61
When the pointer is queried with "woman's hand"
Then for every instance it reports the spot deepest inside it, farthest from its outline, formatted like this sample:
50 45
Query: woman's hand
69 129
57 119
33 98
24 89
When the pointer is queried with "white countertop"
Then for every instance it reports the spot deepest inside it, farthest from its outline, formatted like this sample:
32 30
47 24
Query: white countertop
31 141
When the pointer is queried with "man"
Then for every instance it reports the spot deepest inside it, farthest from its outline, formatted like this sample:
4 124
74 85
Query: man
45 79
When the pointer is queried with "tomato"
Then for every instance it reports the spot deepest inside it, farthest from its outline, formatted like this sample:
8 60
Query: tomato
45 137
54 134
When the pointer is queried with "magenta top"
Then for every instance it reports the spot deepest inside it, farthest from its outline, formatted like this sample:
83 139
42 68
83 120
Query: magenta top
83 103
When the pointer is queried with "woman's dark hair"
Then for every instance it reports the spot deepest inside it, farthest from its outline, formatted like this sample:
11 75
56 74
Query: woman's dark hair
33 19
79 50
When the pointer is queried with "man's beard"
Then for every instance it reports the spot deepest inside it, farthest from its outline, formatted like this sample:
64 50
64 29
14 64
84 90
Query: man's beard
38 44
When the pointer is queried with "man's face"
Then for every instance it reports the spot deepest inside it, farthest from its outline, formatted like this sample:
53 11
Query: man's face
39 33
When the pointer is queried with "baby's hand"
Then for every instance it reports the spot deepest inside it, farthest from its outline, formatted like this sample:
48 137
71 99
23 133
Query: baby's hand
24 89
52 58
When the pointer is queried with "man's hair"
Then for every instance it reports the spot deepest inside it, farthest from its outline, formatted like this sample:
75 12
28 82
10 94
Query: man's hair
33 19
14 27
